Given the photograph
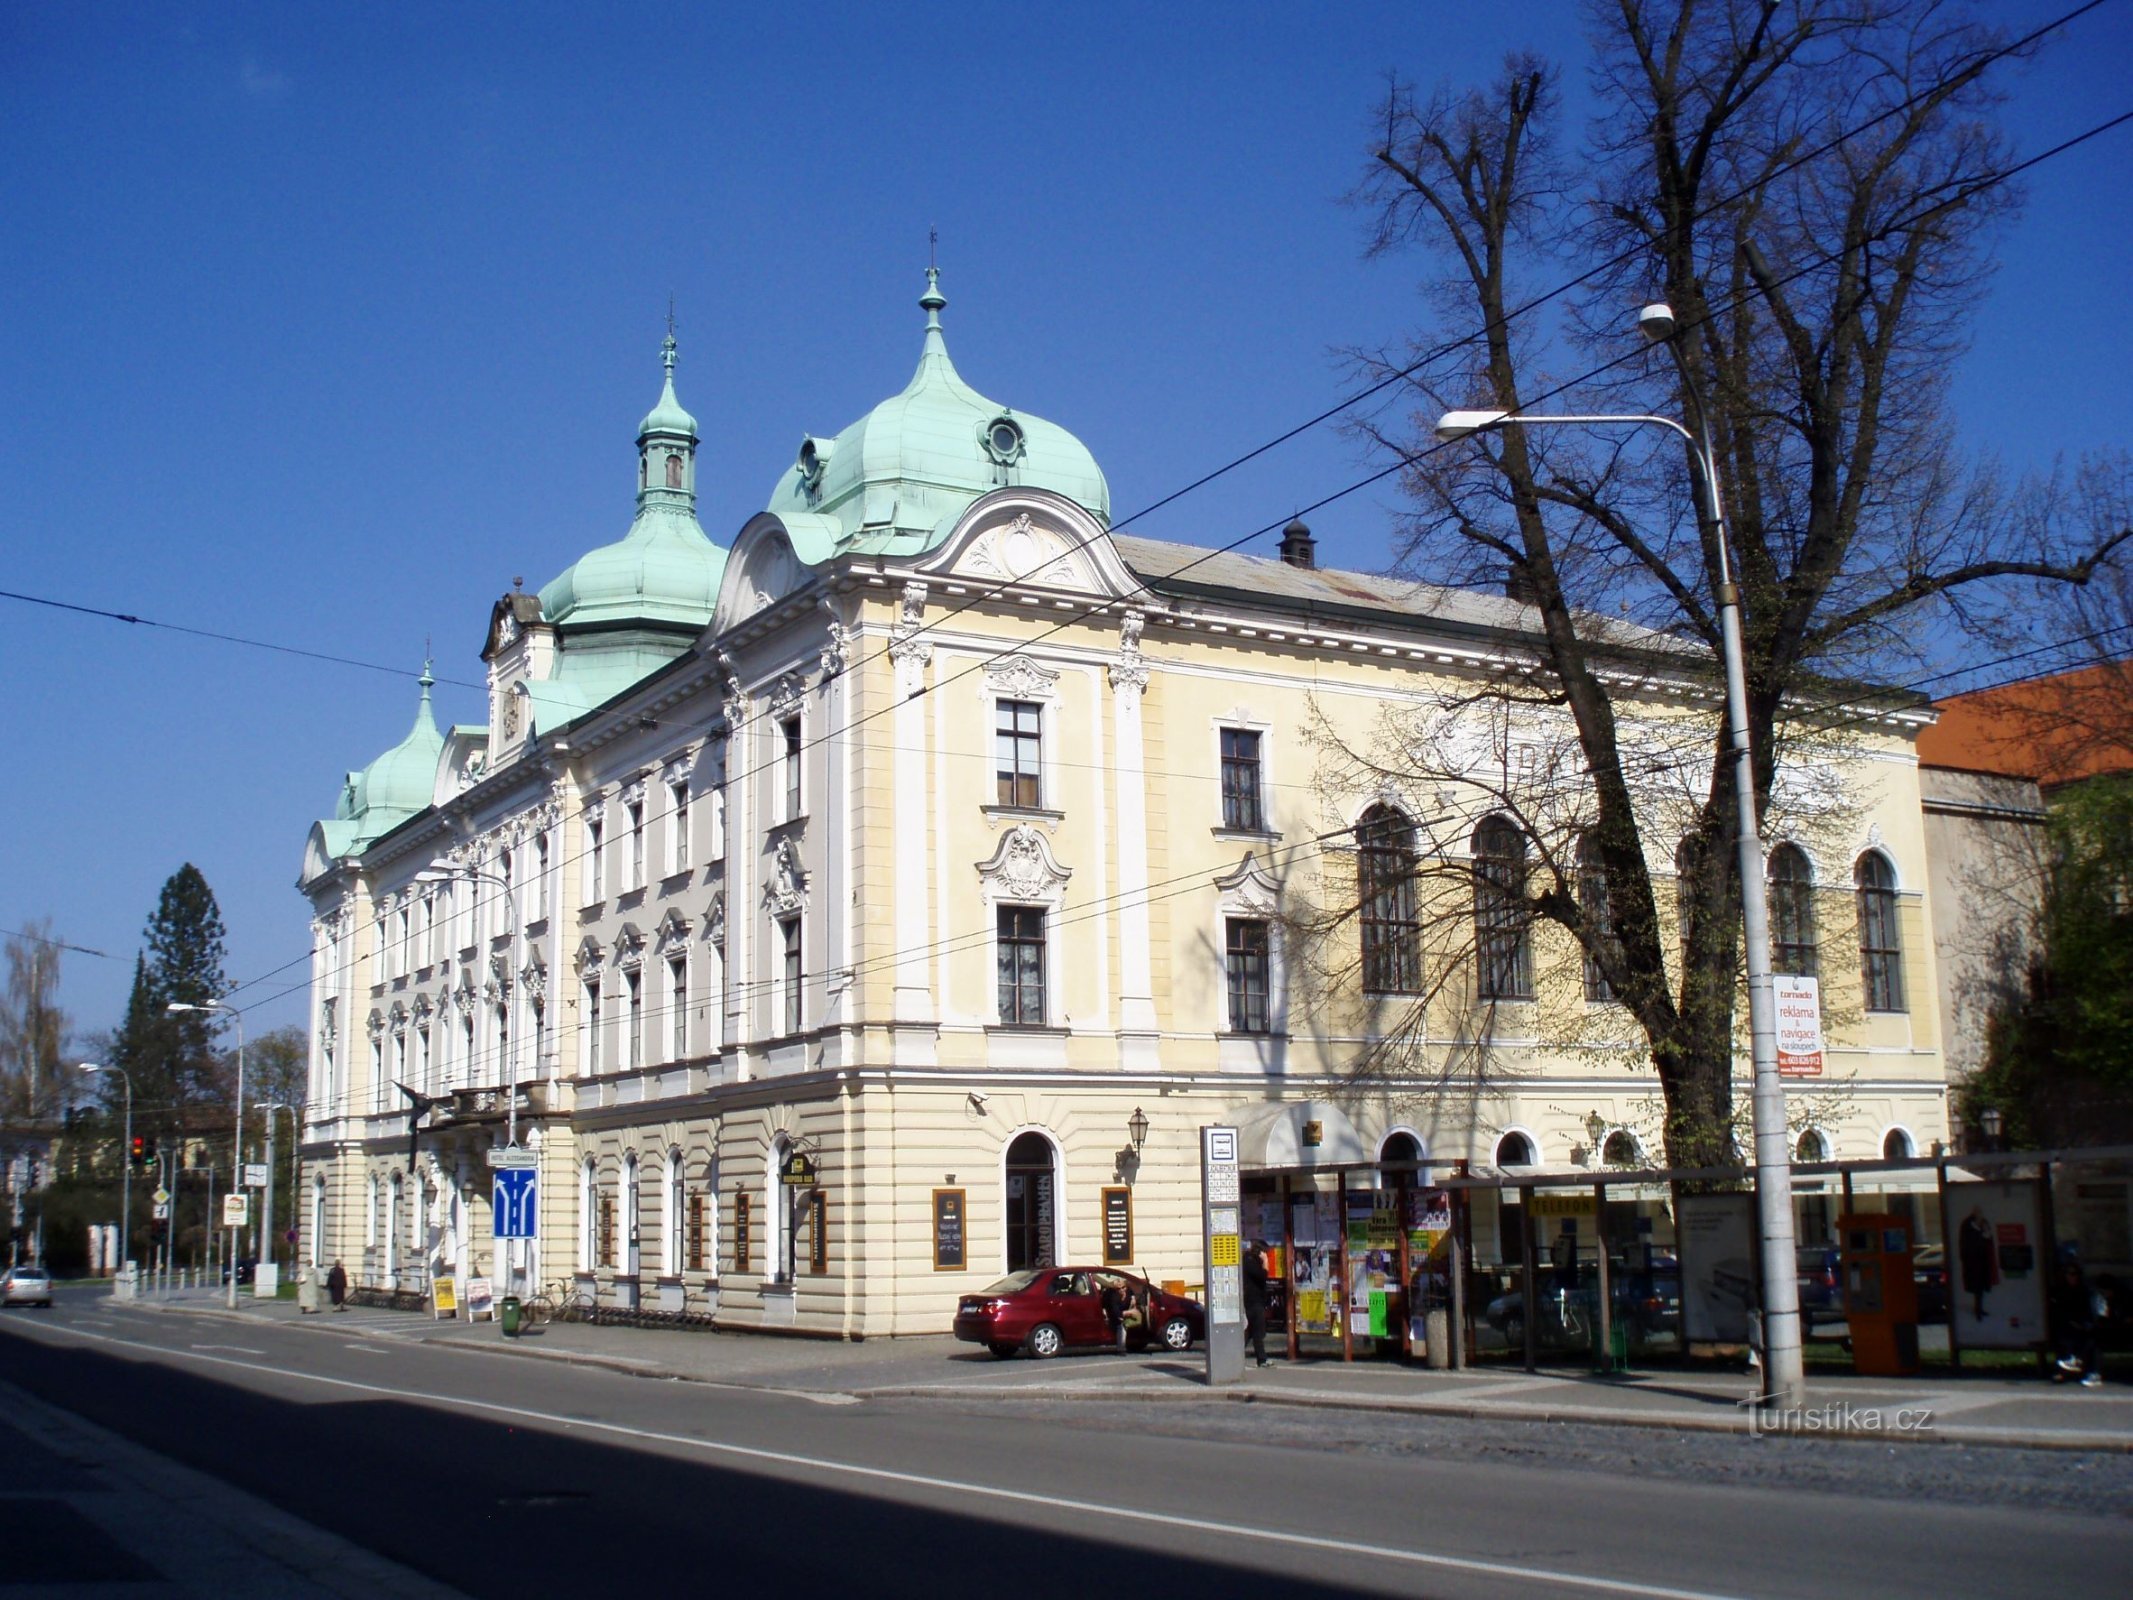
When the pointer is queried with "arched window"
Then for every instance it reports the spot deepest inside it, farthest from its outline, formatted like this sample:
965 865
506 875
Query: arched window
370 1211
1812 1146
1514 1149
777 1212
1400 1149
1385 897
1880 945
1032 1203
673 469
392 1231
318 1221
671 1223
1598 912
588 1215
1898 1145
1503 955
1792 912
1622 1150
632 1215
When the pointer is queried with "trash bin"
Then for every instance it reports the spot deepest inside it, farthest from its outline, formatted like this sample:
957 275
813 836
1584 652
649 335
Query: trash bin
509 1316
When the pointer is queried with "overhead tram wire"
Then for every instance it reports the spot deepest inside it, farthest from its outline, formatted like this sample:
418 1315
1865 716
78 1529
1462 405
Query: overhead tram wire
1971 67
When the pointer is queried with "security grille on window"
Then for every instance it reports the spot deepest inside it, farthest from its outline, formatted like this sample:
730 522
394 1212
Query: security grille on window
1018 748
678 1001
1880 943
1792 912
1246 941
790 929
1022 966
1385 883
1241 809
789 731
680 847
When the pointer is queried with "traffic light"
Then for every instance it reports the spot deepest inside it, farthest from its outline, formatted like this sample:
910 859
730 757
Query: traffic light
140 1150
149 1159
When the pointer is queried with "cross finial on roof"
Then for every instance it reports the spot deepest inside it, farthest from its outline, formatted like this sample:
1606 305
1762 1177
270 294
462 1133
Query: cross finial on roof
933 246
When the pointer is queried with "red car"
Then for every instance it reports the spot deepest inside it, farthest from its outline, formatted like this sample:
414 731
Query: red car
1046 1309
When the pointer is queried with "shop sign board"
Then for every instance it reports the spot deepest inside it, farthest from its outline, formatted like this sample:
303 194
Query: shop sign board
948 1242
236 1209
1799 1025
1118 1226
1222 1252
481 1300
444 1297
798 1169
1996 1264
1718 1278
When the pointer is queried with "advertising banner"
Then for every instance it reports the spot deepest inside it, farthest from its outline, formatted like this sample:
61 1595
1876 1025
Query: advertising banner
1799 1025
1718 1276
1995 1264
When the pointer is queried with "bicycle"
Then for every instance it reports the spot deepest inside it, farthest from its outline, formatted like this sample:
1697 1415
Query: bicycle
557 1302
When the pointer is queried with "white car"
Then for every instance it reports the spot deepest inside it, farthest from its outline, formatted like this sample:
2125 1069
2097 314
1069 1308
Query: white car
26 1286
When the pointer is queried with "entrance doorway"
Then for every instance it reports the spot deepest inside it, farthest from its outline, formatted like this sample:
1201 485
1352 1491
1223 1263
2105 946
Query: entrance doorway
1032 1203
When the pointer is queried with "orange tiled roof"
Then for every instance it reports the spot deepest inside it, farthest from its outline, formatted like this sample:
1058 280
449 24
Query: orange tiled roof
2056 730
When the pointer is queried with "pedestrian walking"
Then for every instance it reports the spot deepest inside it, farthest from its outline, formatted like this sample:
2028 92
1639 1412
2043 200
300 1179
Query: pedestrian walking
337 1286
1255 1296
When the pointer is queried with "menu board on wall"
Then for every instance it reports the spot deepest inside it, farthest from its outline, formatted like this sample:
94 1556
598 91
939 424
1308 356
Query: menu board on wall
1118 1226
948 1239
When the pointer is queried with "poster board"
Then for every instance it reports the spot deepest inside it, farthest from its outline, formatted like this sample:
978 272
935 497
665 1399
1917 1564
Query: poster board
1718 1271
444 1297
1371 1237
1798 1003
950 1244
1996 1263
1313 1232
1118 1226
480 1303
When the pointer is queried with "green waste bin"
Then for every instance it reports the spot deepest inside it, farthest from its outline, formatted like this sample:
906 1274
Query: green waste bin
510 1316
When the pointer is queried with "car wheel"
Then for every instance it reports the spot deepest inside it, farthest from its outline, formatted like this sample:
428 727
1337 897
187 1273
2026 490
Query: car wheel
1177 1334
1003 1348
1045 1341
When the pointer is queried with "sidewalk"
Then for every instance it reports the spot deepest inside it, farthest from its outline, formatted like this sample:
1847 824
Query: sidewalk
2023 1412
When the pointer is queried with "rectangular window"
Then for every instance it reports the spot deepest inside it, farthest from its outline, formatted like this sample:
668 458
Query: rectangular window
595 869
818 1244
696 1233
503 1039
540 877
634 982
466 1059
1241 809
790 929
717 842
422 1057
635 811
1022 966
678 1004
678 838
1249 986
407 942
1018 747
789 732
592 1025
742 1255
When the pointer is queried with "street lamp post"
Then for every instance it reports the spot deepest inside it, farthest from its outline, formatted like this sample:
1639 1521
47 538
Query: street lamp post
179 1008
1785 1382
126 1156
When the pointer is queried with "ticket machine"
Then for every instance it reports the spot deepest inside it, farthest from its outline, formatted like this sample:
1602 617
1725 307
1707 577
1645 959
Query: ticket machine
1880 1299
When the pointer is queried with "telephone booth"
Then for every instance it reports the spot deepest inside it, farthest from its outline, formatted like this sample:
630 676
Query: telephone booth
1880 1299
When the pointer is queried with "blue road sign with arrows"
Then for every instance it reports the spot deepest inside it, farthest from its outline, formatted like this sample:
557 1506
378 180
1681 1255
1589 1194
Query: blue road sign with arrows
517 1203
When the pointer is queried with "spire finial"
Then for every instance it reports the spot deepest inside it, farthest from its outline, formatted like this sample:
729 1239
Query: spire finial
667 347
933 300
426 680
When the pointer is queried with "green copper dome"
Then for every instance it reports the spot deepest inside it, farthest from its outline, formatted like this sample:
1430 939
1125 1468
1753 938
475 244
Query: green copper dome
663 571
399 783
897 479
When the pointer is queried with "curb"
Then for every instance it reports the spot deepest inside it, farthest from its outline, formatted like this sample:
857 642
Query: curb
1309 1399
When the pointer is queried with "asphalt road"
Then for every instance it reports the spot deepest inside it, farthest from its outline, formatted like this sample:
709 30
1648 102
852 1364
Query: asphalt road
501 1476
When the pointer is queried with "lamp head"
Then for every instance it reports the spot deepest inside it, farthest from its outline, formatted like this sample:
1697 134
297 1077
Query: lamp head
1455 425
90 1066
179 1007
1656 322
1137 1127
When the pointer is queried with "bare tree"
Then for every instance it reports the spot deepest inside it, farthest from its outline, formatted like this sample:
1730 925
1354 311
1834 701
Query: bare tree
1815 188
33 1037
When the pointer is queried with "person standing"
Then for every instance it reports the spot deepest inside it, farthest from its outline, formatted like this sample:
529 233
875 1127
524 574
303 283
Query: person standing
1977 1257
337 1286
2073 1308
1255 1296
1114 1304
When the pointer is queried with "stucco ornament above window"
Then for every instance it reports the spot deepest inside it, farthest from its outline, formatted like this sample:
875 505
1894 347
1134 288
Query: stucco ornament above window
1021 678
786 892
1022 867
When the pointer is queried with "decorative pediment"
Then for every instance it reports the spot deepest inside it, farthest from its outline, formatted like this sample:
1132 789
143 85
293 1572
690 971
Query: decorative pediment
787 694
786 890
629 948
591 957
1249 889
423 1010
374 1025
673 933
1020 536
1024 550
715 920
1019 677
398 1018
534 975
1022 867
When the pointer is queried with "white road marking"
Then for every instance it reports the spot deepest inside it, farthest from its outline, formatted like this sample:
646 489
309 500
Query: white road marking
94 1322
367 1349
241 1349
985 1491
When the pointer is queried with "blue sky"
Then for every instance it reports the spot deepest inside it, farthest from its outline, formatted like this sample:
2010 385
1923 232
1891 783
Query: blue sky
323 323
